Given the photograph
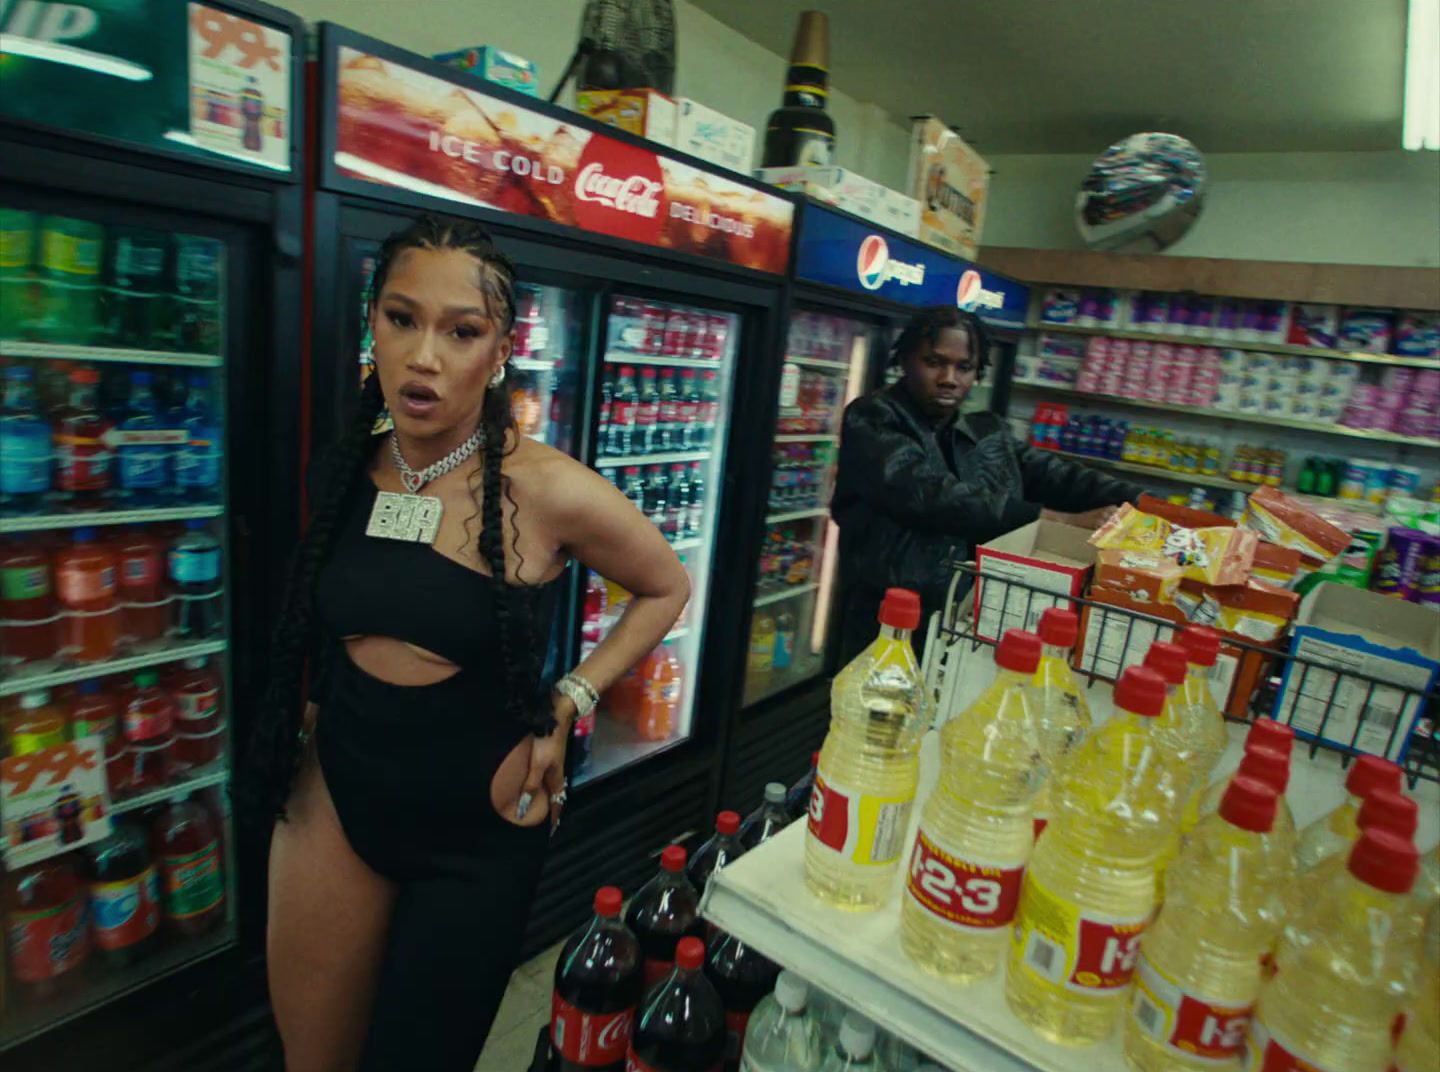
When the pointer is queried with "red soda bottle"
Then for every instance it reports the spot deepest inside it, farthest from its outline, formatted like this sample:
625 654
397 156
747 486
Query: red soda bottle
620 438
124 896
723 847
29 624
686 410
598 983
652 317
46 935
666 909
187 846
674 340
742 977
681 1025
647 414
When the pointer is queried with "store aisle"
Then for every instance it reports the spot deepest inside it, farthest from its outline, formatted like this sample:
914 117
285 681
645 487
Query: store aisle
525 1010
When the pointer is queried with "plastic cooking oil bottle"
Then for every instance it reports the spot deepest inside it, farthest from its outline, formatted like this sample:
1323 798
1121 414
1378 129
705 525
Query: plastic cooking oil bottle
1199 969
1264 733
1089 890
1419 1043
869 765
1337 830
1204 724
1060 705
1333 1006
976 831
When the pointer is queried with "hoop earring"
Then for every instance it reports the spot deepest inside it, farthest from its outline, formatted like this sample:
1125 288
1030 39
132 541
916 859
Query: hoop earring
499 377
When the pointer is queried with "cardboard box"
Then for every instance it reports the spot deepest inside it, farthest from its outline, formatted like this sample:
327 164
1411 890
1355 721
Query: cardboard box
497 66
714 136
1043 554
1349 631
1145 577
951 181
849 191
640 111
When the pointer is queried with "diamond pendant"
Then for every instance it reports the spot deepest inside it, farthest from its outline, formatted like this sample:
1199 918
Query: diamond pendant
412 518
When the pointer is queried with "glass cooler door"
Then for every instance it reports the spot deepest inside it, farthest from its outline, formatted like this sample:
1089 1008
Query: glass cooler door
825 368
665 392
116 860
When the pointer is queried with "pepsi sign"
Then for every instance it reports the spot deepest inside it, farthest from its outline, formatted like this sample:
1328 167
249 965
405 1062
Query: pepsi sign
842 251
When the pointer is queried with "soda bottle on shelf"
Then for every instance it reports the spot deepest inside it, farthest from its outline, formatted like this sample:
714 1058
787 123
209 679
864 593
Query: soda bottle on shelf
527 408
782 1035
149 729
695 522
797 797
25 447
86 583
1334 1001
854 1048
681 1023
784 640
767 820
660 703
709 410
607 406
29 623
1338 830
1061 711
668 416
137 289
144 603
978 826
687 407
633 486
124 896
146 461
620 433
666 909
1089 890
195 576
46 928
197 293
197 462
1420 1040
742 977
1199 970
94 712
723 846
38 724
647 413
598 984
869 765
187 846
82 451
677 503
657 495
68 279
761 658
199 716
17 273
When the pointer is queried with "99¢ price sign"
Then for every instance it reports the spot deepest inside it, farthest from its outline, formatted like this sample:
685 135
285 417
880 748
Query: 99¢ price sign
53 800
239 87
968 894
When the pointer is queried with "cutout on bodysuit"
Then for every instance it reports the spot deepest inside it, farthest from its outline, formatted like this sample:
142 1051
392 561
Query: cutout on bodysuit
422 667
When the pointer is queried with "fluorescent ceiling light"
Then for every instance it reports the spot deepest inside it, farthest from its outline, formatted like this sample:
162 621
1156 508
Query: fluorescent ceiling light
1422 76
15 45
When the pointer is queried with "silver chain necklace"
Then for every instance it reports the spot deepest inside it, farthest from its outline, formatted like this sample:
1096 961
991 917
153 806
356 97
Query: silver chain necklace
415 518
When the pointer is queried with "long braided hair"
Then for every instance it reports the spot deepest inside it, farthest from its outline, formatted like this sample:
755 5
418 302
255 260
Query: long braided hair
275 751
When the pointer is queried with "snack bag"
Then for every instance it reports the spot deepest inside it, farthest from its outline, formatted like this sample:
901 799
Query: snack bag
1286 521
1212 554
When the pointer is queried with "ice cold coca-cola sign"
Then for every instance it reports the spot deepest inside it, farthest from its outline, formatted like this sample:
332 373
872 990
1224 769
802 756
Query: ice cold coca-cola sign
399 127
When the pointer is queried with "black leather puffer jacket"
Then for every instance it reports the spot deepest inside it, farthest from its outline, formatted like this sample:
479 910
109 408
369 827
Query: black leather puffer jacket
904 514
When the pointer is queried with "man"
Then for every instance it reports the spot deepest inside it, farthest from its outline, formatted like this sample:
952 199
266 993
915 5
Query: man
920 484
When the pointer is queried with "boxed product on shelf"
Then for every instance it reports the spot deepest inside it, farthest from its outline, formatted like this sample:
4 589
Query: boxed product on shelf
645 112
497 66
1060 305
1368 331
1313 325
1044 554
1407 566
849 191
1349 632
951 184
1417 335
702 131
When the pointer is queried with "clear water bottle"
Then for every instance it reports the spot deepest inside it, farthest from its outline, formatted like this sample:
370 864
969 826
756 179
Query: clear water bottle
855 1049
783 1035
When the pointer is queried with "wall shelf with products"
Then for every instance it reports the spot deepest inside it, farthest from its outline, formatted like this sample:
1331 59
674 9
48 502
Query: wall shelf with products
29 678
764 599
673 458
819 363
797 515
47 351
88 518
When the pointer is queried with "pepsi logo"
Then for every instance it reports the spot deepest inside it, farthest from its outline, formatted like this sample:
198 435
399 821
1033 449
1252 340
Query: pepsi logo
875 267
971 293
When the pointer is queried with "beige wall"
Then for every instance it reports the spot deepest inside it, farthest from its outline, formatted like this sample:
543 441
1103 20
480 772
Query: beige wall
715 65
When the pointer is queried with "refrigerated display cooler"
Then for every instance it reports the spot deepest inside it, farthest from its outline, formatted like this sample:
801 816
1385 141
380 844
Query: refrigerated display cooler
854 285
650 291
149 216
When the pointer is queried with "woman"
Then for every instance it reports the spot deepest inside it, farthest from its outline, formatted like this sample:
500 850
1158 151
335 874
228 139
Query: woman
920 484
415 794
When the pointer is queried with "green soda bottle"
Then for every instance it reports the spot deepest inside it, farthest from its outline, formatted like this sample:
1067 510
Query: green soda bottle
17 272
69 277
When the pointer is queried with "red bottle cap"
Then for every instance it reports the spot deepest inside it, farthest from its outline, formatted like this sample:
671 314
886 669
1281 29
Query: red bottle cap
1371 773
727 822
1059 627
1018 651
1141 691
1385 860
1386 810
1269 765
673 858
901 609
690 953
1267 733
1167 660
1249 804
608 900
1201 644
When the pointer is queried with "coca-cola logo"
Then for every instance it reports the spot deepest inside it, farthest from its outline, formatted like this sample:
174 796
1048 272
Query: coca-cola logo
615 1035
619 190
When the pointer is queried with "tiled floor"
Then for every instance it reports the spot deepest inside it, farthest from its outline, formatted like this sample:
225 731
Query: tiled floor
525 1010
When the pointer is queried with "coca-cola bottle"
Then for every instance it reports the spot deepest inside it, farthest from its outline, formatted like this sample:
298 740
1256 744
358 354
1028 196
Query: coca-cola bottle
718 851
666 909
657 495
647 414
767 820
686 409
677 505
598 983
742 977
681 1023
620 433
633 487
697 500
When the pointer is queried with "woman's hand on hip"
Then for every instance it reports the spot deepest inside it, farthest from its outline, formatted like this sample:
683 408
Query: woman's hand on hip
547 766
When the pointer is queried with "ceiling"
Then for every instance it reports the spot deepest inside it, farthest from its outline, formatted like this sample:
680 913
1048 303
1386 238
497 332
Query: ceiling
1055 76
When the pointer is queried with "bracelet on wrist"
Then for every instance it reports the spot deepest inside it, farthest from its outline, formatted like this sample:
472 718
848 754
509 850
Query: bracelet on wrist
579 692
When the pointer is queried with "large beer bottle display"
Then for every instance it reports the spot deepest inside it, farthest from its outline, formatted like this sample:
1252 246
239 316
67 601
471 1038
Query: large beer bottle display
824 361
800 132
114 727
